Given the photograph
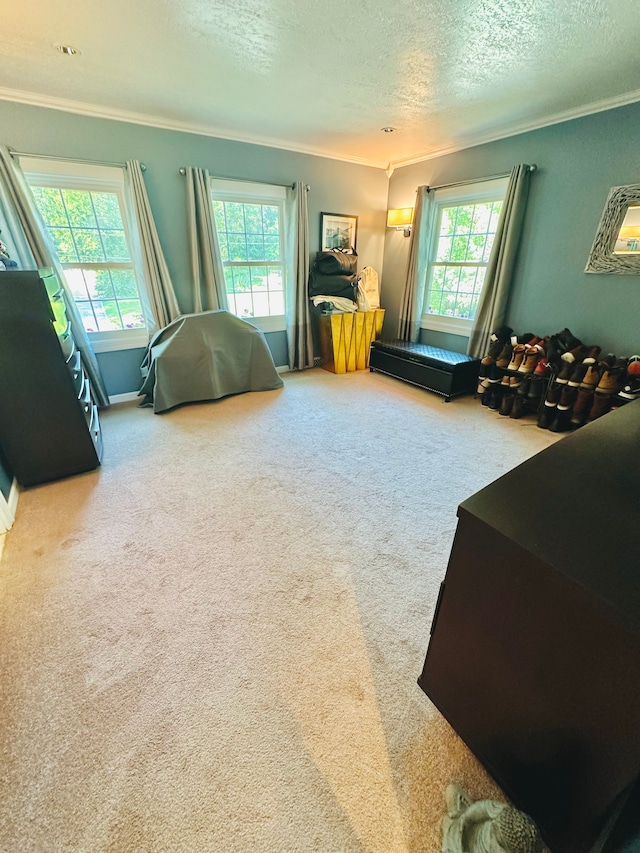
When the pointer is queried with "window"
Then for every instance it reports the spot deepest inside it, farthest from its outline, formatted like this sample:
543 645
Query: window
84 211
464 228
249 221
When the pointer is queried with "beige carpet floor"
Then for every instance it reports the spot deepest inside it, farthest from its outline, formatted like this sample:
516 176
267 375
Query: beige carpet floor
212 643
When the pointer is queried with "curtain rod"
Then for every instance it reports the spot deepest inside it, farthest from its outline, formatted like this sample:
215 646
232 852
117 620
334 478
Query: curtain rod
532 168
183 171
71 159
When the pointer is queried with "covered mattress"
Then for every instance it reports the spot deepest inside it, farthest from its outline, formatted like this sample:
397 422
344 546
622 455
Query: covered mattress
204 357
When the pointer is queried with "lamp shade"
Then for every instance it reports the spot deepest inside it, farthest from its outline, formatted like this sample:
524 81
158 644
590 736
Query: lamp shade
399 217
629 232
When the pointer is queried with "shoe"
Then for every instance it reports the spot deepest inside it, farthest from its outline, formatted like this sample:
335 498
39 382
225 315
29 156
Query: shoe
532 356
496 342
611 380
483 384
488 392
504 357
631 391
568 397
568 340
546 416
519 407
495 399
517 355
553 394
633 366
534 393
562 420
581 407
569 361
601 405
506 404
592 375
543 366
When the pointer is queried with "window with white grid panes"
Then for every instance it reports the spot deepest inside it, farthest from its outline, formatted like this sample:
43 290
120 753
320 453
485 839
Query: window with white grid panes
84 211
464 229
249 223
88 232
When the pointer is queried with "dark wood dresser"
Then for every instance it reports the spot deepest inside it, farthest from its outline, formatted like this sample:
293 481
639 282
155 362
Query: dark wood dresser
534 656
49 426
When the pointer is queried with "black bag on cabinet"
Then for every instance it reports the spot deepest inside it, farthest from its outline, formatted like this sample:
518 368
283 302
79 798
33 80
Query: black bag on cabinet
336 262
333 285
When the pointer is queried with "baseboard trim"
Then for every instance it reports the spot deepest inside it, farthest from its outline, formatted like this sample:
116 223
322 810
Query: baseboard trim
123 398
284 368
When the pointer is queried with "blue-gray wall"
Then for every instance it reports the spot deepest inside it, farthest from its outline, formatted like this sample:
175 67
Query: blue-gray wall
578 162
335 187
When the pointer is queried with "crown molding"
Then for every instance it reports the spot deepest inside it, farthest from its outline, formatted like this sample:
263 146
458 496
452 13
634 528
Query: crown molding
95 111
481 139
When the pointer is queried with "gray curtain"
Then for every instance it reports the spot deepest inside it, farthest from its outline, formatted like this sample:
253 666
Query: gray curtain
19 197
208 273
412 303
162 300
299 338
497 282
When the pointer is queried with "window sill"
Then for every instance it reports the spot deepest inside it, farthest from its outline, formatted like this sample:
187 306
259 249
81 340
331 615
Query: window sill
448 325
113 341
268 324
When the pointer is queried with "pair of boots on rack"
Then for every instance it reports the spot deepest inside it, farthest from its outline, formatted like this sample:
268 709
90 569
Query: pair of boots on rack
516 360
590 391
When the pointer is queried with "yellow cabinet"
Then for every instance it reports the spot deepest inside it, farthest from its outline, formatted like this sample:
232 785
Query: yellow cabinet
345 339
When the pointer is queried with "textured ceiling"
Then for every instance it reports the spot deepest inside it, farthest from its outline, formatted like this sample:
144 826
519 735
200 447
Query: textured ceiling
327 77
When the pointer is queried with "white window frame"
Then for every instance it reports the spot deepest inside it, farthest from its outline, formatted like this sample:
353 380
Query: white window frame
248 192
62 174
482 191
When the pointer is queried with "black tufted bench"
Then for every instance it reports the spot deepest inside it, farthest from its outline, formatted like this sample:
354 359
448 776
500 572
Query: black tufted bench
448 373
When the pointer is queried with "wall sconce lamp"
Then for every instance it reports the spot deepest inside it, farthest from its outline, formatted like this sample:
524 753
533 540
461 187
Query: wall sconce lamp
401 218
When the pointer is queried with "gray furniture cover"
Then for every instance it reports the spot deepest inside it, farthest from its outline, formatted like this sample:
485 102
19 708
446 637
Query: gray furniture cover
204 357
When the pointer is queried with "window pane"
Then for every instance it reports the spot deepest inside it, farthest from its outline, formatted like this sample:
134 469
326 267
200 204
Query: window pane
487 247
275 280
228 280
255 248
276 302
224 246
244 305
237 248
475 249
272 248
232 303
88 320
452 277
75 280
242 279
496 207
235 217
444 249
124 284
89 245
261 304
481 218
131 311
464 219
447 221
100 287
434 302
107 315
50 204
107 210
259 278
64 245
271 219
253 218
459 249
218 216
79 208
115 246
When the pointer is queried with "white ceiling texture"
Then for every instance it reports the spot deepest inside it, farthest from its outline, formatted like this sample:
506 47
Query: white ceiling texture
324 78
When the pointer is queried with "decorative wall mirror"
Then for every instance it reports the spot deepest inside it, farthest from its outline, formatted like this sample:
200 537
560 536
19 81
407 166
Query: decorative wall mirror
616 247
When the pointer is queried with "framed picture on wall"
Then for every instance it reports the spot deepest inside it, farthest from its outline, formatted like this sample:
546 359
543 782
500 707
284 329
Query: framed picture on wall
337 231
